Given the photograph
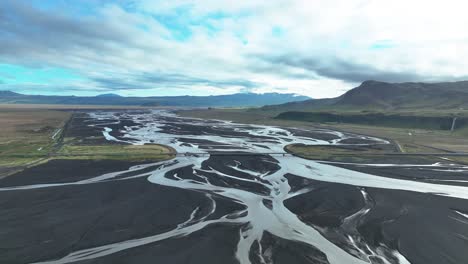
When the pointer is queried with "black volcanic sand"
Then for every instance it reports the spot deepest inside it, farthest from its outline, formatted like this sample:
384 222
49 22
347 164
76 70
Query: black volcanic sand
214 244
278 250
56 221
425 228
78 128
223 164
327 204
60 171
322 135
192 127
69 218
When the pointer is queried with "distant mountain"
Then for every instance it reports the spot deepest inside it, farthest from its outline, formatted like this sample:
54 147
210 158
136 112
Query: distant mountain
232 100
108 95
8 94
375 95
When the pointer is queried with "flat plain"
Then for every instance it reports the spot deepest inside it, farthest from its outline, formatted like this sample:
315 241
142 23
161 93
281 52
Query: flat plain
146 186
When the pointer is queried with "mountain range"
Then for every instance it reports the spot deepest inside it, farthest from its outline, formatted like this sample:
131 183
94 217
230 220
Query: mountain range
232 100
375 95
370 95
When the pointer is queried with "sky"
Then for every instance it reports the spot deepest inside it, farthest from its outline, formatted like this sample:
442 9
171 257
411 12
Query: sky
208 47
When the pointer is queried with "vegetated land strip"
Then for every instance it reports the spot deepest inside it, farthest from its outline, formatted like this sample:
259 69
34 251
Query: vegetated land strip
30 137
27 136
399 120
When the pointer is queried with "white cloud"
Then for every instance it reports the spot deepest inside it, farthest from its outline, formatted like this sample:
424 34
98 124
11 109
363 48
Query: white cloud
323 46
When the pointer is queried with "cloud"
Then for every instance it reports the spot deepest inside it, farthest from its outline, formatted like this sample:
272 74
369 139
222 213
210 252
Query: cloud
167 79
27 30
164 81
345 70
216 47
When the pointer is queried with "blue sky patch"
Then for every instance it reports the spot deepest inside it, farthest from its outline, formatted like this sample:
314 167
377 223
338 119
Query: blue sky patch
382 44
16 74
277 31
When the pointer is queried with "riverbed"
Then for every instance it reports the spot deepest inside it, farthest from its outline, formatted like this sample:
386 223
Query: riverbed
232 195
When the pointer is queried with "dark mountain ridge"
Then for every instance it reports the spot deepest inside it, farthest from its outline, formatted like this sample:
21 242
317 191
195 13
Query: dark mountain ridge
375 95
8 94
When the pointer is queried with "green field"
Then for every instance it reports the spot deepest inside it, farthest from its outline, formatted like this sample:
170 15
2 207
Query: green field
31 136
115 152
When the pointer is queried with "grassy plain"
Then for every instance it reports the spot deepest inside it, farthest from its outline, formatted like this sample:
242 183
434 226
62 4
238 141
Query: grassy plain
33 135
116 152
27 136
